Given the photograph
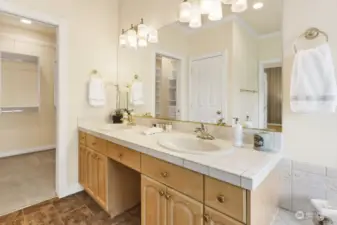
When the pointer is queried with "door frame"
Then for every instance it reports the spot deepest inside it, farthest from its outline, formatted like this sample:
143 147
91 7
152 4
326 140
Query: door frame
263 65
224 54
62 136
180 80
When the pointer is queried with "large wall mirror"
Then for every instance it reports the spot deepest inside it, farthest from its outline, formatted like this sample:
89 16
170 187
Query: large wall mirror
222 70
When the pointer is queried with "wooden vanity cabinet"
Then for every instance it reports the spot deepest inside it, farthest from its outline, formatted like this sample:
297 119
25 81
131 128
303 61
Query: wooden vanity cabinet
162 205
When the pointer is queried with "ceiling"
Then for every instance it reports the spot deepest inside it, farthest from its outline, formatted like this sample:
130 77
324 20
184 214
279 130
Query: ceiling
36 26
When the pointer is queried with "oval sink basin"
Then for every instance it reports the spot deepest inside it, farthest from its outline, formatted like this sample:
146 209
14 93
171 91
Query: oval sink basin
193 145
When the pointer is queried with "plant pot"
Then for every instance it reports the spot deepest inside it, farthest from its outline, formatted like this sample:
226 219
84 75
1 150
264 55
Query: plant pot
117 118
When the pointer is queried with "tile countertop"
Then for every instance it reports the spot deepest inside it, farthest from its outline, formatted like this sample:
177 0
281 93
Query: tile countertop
242 167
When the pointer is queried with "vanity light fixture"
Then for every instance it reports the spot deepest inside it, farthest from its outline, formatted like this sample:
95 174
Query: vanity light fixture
25 21
191 12
138 36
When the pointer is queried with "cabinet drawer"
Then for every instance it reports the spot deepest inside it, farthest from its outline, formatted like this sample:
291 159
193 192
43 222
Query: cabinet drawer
226 198
96 144
124 155
181 179
214 217
81 137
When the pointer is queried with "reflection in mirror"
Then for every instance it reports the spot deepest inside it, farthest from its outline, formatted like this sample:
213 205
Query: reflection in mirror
222 70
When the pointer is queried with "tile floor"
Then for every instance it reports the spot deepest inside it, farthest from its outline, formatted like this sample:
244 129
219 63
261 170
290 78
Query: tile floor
26 180
285 217
72 210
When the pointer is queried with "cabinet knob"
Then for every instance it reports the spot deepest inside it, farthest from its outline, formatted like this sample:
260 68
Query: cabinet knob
94 143
164 174
168 196
207 218
120 155
221 198
161 193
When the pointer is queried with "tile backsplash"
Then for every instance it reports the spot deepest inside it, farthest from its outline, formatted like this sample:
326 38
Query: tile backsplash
304 181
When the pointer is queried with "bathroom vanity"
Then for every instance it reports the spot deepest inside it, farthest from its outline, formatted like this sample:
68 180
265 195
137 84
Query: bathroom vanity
121 168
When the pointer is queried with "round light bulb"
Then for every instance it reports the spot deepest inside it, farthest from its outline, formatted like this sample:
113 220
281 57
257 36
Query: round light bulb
185 12
195 21
239 6
216 11
258 5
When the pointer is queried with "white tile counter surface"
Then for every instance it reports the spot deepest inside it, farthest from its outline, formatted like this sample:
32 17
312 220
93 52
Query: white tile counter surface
242 167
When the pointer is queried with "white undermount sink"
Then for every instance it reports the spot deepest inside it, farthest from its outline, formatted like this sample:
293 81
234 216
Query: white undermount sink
194 145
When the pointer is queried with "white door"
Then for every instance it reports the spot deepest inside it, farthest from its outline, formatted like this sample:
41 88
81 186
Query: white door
207 89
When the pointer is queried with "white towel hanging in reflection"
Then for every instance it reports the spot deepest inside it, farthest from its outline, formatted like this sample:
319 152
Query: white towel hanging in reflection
313 82
96 91
136 93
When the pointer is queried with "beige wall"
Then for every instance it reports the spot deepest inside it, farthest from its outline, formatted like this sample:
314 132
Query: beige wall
298 129
309 138
270 48
92 44
19 131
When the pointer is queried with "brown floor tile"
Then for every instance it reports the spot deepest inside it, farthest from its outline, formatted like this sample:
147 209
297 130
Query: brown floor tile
45 214
101 218
10 218
79 216
67 204
135 211
84 197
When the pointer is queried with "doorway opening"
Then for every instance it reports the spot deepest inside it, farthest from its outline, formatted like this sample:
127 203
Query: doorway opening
167 91
28 111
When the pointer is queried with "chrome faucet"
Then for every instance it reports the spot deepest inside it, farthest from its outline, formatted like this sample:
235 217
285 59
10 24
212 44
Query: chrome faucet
202 133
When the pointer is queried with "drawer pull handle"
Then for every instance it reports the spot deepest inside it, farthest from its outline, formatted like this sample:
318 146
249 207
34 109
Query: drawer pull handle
168 196
164 174
120 155
221 198
207 218
161 193
94 143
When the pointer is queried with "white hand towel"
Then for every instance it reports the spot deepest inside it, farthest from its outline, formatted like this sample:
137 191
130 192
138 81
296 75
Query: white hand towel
96 92
313 81
136 93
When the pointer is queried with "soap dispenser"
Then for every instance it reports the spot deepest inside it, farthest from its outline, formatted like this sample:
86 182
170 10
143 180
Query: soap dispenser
248 123
237 133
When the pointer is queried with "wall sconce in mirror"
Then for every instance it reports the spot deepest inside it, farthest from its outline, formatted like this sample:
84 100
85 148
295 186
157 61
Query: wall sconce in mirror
138 35
191 12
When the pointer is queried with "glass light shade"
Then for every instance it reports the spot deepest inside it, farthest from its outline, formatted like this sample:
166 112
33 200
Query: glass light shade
216 12
228 2
123 41
206 6
185 12
142 31
195 21
153 36
239 6
132 38
142 42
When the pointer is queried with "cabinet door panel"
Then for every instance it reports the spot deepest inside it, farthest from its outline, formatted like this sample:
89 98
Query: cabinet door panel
183 210
213 217
82 166
153 202
89 161
101 163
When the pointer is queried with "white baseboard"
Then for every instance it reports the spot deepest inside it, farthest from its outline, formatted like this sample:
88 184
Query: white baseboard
4 154
71 190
